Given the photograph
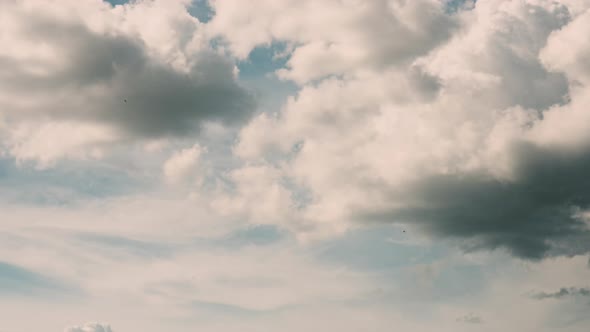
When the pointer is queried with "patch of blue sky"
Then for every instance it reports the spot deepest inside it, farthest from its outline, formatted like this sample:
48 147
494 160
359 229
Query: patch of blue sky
403 268
64 184
256 235
453 6
117 2
258 73
376 248
201 10
123 247
18 281
251 236
460 281
419 291
263 60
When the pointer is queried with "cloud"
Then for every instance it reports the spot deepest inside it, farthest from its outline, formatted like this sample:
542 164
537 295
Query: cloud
355 35
90 327
534 215
562 293
47 142
256 193
463 124
102 70
182 164
567 51
482 138
470 319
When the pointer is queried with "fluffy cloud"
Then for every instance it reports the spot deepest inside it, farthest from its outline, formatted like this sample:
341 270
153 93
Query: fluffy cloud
182 164
481 137
334 37
257 194
45 143
93 65
90 327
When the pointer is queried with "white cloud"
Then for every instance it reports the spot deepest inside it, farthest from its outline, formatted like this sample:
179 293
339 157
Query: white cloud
182 165
169 255
47 142
478 111
334 37
89 64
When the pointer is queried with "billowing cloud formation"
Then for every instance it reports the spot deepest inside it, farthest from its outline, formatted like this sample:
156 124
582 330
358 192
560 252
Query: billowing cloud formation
456 119
334 37
90 327
481 135
104 69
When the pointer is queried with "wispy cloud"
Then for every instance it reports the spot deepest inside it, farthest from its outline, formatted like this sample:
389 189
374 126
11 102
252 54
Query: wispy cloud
470 319
562 293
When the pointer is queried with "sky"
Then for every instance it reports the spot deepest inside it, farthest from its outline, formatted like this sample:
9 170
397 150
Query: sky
294 165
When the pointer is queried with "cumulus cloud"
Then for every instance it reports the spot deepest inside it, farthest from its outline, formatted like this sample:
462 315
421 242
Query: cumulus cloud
258 194
334 37
102 68
567 51
459 119
480 137
90 327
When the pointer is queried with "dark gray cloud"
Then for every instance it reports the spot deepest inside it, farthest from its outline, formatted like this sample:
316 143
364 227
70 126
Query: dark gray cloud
562 293
98 72
533 216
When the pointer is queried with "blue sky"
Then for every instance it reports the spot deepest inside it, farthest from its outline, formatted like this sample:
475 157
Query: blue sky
294 165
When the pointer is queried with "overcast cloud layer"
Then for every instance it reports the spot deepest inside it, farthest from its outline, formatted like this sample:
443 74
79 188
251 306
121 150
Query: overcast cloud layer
294 165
